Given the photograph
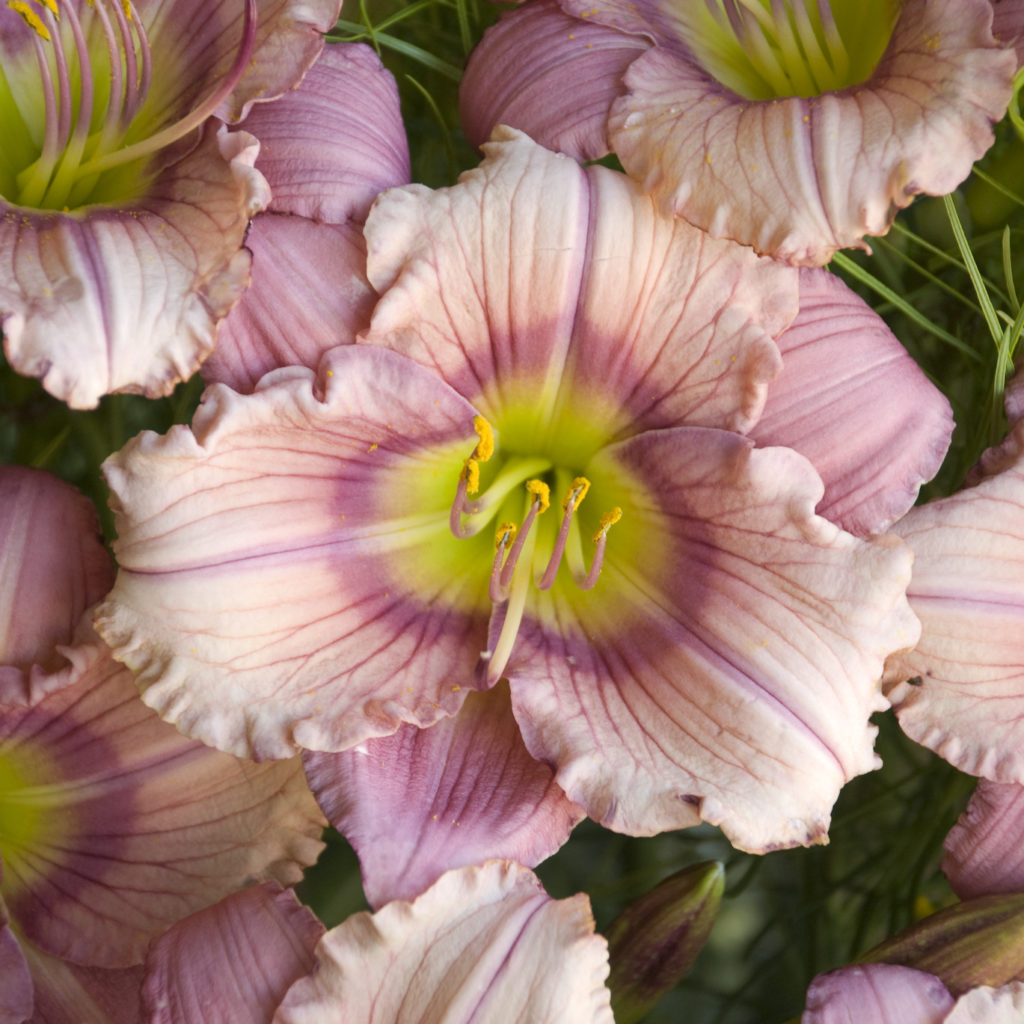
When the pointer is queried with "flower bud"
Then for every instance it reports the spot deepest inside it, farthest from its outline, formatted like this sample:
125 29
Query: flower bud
656 939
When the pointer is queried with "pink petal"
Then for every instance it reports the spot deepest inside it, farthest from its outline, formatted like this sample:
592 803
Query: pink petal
550 75
422 801
130 826
960 692
53 565
533 273
232 962
852 400
725 665
195 43
985 849
877 994
332 144
66 992
128 298
272 593
483 944
298 266
799 178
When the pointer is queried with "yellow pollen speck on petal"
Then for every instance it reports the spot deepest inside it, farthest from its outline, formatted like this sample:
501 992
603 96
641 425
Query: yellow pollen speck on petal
576 493
471 474
505 534
607 520
485 447
373 447
30 17
541 492
330 373
456 689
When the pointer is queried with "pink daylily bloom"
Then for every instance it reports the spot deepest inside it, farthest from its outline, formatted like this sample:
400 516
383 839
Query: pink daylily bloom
53 565
422 801
113 825
889 994
852 400
233 961
958 692
328 149
317 563
483 944
124 207
791 128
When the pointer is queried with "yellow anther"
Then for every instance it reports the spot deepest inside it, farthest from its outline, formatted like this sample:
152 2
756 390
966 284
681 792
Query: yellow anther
576 493
541 492
607 520
30 17
505 534
471 474
485 447
51 6
126 6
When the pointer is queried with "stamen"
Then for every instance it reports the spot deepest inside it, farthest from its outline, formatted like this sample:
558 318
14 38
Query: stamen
30 18
572 501
541 503
194 118
608 520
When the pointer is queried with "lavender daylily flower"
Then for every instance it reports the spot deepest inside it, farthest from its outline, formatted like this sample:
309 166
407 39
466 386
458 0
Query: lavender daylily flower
123 206
343 552
796 127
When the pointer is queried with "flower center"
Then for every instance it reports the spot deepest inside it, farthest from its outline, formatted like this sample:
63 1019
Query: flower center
764 49
528 553
75 113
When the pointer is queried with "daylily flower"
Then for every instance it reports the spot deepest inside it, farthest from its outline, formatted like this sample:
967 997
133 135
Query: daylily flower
888 994
958 692
327 149
532 472
484 944
794 127
123 207
112 824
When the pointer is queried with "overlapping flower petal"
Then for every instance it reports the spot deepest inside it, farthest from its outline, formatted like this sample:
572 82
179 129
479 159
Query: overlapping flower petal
53 565
959 690
233 961
852 400
328 148
423 801
484 944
